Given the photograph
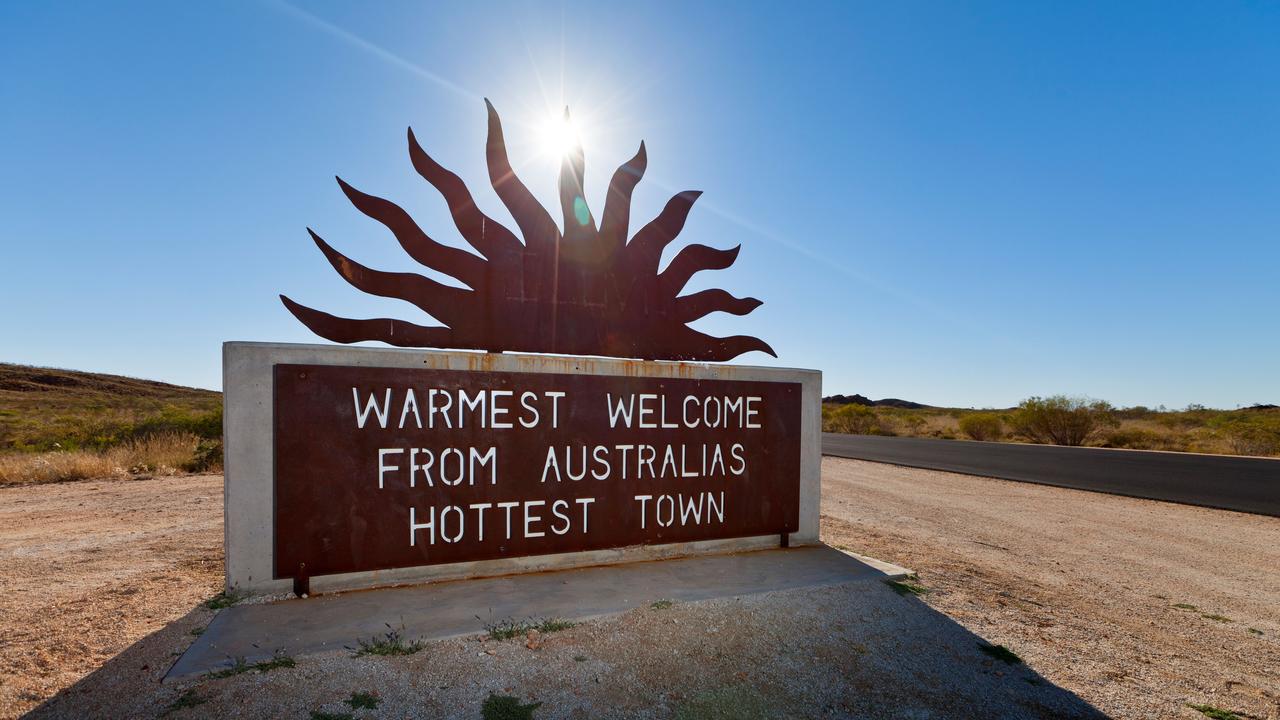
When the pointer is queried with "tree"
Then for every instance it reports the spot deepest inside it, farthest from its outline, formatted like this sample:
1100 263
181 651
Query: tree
1062 420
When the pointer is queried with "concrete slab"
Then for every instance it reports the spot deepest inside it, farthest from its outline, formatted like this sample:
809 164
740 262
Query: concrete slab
450 609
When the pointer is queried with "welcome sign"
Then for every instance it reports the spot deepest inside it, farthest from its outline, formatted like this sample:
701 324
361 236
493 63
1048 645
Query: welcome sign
362 467
379 468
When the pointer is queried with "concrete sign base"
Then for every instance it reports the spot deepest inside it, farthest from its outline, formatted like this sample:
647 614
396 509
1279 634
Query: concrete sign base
256 631
349 472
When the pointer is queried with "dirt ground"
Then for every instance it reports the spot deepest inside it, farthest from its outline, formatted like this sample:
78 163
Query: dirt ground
89 568
1135 607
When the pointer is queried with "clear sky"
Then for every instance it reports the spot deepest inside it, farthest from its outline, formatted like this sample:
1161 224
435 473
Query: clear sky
956 203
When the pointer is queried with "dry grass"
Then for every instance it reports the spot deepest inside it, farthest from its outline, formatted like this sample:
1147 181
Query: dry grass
58 425
162 454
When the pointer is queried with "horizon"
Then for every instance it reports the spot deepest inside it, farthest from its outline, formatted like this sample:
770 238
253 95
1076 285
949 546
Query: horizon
960 206
825 396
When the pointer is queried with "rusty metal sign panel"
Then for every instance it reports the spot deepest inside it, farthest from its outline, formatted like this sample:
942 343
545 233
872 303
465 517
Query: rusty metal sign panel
586 286
379 468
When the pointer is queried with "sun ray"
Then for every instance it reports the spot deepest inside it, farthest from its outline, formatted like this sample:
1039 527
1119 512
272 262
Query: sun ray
378 51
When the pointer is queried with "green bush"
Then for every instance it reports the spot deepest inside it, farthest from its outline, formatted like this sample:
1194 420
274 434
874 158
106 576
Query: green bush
202 424
853 419
1250 433
207 457
982 426
910 423
1062 420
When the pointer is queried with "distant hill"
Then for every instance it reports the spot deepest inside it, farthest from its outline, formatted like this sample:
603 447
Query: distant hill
44 408
864 400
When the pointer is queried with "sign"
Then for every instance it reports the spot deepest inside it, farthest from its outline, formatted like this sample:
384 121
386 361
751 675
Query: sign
578 288
379 468
363 467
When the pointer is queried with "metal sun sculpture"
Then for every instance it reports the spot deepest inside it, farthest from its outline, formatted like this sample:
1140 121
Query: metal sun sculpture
583 291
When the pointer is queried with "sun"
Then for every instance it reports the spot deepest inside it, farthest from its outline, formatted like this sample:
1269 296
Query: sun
559 135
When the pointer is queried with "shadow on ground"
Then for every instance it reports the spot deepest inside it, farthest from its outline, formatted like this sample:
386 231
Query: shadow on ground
128 684
859 648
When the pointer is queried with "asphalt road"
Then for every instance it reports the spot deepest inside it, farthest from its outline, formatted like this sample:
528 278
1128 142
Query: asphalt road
1232 483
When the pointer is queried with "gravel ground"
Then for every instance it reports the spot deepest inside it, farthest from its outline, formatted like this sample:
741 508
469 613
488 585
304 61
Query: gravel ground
89 568
101 585
1138 606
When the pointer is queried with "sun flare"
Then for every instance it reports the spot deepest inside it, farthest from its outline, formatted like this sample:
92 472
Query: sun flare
559 135
589 286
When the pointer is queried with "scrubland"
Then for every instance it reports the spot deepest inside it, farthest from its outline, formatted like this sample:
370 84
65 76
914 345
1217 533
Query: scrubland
58 425
63 425
1064 420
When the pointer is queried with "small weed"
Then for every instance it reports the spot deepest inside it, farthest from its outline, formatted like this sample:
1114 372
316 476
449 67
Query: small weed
579 658
1184 606
240 666
392 643
1000 652
1216 617
510 628
506 707
198 632
506 629
367 701
319 715
279 660
224 599
1213 712
661 604
188 699
907 586
1255 631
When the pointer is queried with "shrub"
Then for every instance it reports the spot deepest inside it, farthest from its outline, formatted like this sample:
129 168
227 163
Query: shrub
1137 412
853 420
163 454
207 457
909 423
1250 433
982 426
1135 439
184 421
1062 420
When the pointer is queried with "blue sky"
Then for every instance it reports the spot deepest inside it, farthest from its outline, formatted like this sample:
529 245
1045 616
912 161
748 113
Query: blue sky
961 204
